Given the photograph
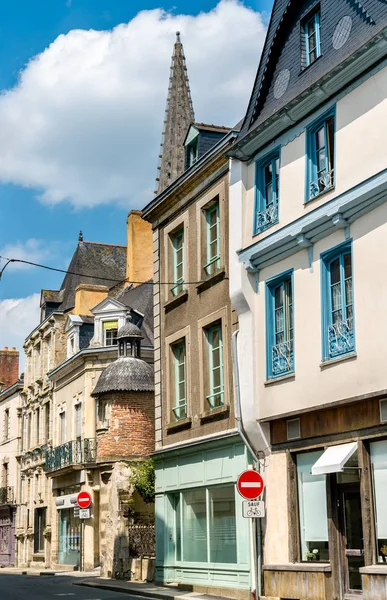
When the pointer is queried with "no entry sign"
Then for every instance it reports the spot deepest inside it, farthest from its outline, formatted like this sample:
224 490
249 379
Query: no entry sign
250 484
84 500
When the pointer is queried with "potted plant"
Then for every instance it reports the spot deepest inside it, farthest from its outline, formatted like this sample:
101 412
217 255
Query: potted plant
310 556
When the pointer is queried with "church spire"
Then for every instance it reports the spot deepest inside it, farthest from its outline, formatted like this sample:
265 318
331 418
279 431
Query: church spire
178 116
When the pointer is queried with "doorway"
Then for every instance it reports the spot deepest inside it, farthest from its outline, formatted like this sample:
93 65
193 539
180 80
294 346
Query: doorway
352 538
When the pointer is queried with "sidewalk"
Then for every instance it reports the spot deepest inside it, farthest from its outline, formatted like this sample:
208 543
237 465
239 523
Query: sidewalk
149 590
41 572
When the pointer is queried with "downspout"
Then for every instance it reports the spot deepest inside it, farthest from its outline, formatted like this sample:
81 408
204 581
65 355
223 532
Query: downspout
257 526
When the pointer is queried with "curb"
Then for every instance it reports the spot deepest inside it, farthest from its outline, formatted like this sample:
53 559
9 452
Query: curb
133 592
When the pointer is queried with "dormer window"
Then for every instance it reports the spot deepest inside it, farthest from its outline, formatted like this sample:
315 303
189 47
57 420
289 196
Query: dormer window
311 43
193 152
110 329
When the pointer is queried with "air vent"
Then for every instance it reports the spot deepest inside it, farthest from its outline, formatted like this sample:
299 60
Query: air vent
383 411
293 429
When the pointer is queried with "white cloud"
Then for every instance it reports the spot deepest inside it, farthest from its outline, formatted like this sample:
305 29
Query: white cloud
18 317
84 122
32 250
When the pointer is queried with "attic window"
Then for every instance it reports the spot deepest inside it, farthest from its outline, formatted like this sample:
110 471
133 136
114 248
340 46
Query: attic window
192 152
110 333
310 39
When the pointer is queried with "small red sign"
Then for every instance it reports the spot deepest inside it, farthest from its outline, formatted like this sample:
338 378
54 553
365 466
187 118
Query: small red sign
84 500
250 484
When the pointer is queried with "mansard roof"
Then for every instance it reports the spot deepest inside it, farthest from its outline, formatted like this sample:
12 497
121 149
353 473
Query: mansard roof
362 20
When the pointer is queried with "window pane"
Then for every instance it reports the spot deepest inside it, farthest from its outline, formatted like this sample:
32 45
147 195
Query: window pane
223 548
347 266
279 320
312 508
335 271
330 125
194 526
278 296
336 296
320 141
378 452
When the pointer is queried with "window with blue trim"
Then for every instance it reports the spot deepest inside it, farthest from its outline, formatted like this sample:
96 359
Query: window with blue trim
179 408
338 322
213 239
311 39
215 390
321 156
280 348
267 192
178 262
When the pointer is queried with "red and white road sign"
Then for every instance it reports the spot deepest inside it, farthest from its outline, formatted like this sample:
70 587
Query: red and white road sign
250 484
84 500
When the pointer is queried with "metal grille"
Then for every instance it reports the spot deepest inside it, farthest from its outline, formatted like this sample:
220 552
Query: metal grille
75 452
141 541
7 495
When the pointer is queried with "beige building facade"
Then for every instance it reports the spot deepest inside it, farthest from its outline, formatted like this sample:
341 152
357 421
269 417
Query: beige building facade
308 204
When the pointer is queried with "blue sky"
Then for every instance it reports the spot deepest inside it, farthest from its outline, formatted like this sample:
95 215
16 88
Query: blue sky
80 125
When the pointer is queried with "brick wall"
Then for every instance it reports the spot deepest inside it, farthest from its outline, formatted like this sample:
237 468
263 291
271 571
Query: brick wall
9 367
131 425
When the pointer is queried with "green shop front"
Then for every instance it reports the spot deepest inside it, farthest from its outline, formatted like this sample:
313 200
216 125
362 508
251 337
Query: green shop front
201 537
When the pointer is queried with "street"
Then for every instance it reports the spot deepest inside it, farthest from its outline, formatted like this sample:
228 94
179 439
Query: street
24 587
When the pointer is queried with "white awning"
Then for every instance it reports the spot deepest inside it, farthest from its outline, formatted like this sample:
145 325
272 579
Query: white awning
334 459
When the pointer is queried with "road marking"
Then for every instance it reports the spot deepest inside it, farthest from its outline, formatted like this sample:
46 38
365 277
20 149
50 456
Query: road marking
68 594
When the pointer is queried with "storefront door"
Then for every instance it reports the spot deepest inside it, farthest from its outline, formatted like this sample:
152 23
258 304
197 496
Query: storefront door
69 538
352 538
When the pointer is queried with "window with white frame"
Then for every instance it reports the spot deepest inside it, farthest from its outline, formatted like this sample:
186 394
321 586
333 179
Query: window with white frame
312 506
110 330
179 380
177 240
337 317
378 452
212 219
215 386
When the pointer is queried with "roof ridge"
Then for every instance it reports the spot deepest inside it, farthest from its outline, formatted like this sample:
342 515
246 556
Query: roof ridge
105 244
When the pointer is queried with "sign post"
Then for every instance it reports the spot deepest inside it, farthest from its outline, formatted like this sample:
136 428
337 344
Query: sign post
83 501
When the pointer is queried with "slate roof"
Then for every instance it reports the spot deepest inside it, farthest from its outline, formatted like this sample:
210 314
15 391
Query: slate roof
282 49
141 299
94 264
126 374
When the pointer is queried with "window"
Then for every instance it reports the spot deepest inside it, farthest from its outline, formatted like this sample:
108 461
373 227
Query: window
192 149
37 417
338 323
267 192
6 424
213 238
312 504
321 156
110 329
39 527
78 421
215 386
279 326
4 477
178 262
47 421
62 430
180 380
378 451
29 417
311 39
204 525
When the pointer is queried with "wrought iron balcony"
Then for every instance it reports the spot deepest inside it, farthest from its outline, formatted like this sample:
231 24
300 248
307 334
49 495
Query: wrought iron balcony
7 496
282 358
76 452
266 218
324 183
341 338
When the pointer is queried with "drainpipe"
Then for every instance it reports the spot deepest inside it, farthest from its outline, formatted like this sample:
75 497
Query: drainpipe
257 526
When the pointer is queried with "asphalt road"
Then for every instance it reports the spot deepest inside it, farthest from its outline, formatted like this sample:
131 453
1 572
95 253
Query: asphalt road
33 587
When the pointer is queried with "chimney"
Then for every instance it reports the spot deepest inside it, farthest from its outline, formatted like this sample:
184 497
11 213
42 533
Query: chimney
87 296
9 367
139 260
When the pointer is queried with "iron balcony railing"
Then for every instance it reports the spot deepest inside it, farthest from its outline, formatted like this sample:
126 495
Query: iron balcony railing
322 184
76 452
282 358
7 495
341 338
266 218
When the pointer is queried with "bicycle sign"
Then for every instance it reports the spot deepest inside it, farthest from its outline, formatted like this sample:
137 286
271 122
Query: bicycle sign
253 509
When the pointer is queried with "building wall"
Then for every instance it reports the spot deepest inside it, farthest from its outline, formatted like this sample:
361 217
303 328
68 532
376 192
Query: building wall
359 112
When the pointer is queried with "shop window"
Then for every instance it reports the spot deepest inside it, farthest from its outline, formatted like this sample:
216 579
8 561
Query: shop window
204 525
39 527
312 504
378 451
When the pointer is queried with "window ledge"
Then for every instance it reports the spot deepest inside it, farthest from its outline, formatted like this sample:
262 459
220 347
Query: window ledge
380 569
338 359
179 425
304 566
220 412
211 280
176 301
287 377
